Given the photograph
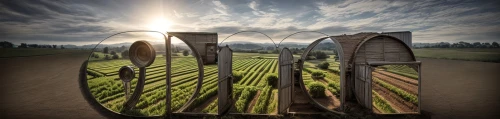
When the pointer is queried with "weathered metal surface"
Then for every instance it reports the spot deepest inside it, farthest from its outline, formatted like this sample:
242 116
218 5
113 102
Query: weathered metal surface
225 88
285 82
301 67
404 36
205 44
362 85
199 60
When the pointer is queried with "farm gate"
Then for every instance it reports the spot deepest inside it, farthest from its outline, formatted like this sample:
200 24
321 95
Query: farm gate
285 80
363 85
225 81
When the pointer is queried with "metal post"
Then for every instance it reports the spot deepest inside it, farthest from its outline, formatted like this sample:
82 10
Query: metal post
126 85
169 85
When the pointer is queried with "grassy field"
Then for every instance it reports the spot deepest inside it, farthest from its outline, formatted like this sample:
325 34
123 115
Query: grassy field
24 52
469 54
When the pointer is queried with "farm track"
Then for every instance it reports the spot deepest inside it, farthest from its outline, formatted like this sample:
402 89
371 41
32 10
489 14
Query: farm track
252 103
410 88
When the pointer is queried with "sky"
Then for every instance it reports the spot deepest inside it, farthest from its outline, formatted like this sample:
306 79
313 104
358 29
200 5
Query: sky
83 22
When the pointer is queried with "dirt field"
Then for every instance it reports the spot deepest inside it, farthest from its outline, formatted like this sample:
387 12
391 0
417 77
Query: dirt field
460 89
43 87
450 88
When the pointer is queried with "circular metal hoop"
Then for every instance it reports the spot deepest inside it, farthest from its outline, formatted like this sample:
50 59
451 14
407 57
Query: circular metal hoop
142 54
126 73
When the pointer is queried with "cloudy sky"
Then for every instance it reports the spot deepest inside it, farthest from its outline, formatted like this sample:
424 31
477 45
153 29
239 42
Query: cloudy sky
85 22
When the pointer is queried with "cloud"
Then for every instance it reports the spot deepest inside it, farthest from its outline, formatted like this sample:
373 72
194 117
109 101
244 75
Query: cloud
85 21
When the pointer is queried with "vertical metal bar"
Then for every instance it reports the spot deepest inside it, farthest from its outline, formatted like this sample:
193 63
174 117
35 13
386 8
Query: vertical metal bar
168 76
419 84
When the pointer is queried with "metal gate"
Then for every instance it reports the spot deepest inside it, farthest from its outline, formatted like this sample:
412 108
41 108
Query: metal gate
363 85
225 88
285 83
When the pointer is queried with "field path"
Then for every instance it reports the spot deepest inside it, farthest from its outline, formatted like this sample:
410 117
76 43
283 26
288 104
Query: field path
252 103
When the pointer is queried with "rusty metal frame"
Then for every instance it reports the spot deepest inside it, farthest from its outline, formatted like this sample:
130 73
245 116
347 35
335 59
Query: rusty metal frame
197 55
340 53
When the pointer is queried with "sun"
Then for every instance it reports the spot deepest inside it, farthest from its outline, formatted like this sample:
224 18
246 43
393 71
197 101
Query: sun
160 24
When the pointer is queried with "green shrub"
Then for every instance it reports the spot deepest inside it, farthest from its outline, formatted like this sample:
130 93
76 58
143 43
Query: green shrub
323 65
317 90
272 79
317 75
237 76
185 53
115 56
125 54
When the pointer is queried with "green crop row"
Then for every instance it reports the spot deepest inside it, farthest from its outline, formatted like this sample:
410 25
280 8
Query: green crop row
401 93
262 101
381 104
246 96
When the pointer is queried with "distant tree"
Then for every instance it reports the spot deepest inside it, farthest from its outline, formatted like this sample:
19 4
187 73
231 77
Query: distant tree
54 46
113 53
62 46
125 54
495 45
33 46
324 65
107 57
105 50
477 44
5 44
320 55
185 53
486 45
122 48
23 45
115 56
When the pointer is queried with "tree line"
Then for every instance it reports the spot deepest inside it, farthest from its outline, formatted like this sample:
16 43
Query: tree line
460 44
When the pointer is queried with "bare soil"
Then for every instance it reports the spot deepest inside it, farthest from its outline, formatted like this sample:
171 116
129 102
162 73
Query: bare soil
460 89
396 102
330 101
410 88
252 103
43 87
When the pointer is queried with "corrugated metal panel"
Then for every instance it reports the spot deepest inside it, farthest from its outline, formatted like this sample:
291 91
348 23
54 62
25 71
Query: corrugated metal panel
285 84
404 36
225 81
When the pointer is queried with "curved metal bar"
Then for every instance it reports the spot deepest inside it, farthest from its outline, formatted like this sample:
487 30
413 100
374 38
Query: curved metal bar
342 73
164 36
353 57
301 32
134 99
248 31
200 74
82 82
